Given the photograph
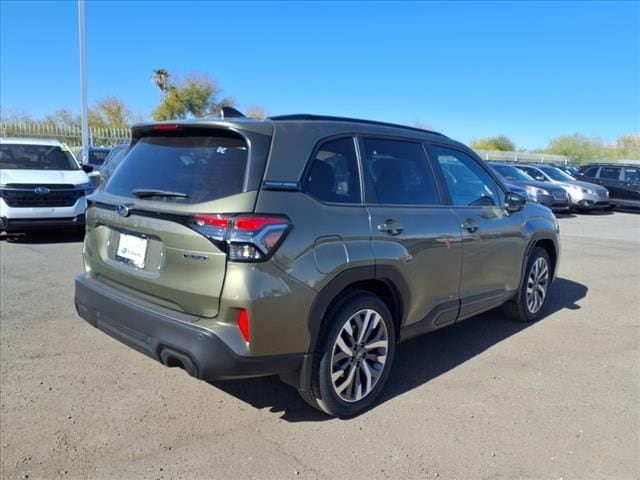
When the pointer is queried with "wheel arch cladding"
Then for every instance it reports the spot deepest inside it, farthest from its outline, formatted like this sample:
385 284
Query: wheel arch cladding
392 291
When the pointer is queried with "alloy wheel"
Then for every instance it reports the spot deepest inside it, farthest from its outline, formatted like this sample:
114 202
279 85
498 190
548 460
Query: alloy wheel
537 285
359 355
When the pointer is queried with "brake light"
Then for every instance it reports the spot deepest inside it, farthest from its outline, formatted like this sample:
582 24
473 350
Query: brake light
255 223
243 324
248 238
163 127
218 221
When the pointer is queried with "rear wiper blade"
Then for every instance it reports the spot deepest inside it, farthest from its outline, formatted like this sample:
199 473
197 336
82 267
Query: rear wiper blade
146 193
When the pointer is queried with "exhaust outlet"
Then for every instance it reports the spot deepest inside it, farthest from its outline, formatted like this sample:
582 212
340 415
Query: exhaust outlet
173 358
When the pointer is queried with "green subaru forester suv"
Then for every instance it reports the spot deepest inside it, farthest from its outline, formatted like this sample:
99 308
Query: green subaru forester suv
306 247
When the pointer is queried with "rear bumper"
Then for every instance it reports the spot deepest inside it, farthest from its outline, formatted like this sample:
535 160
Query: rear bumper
169 337
27 224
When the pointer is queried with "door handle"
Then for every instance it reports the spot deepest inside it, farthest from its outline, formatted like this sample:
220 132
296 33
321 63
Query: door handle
470 225
391 227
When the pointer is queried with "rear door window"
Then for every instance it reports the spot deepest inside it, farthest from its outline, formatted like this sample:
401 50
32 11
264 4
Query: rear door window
632 174
97 157
611 173
195 166
333 175
397 172
590 172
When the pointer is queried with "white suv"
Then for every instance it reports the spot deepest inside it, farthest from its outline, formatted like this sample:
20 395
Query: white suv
41 185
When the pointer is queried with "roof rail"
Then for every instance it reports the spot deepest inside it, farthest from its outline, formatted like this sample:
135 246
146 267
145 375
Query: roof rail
307 116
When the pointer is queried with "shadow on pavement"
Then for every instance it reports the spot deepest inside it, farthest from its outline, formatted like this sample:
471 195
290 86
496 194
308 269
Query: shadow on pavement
565 215
417 361
628 209
44 237
598 213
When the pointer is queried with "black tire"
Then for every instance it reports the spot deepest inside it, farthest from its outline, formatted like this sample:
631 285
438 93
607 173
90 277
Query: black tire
517 308
323 395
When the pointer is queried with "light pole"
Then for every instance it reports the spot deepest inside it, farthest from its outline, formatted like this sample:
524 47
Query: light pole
83 83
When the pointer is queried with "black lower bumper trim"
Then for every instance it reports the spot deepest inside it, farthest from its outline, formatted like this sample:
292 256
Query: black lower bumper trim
591 205
26 224
625 203
153 330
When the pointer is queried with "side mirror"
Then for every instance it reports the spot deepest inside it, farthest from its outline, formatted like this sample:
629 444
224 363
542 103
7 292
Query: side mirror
87 168
540 178
514 202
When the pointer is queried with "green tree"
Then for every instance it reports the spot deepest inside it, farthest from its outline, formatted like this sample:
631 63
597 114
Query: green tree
578 148
195 96
626 147
500 143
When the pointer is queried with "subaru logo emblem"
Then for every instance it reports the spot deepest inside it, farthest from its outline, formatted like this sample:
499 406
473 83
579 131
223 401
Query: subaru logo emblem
41 190
123 210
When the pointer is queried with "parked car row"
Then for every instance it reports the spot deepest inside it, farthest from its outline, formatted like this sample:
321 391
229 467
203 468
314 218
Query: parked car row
596 186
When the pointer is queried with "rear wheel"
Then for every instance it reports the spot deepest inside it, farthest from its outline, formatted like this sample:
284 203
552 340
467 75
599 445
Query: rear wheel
528 304
353 356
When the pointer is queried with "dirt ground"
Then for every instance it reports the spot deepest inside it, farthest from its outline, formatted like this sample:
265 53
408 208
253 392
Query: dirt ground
484 399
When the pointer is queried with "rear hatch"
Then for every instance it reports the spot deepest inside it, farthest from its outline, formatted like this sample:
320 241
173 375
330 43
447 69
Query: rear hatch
140 228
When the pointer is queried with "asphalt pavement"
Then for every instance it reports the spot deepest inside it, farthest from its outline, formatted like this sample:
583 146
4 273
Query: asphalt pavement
484 399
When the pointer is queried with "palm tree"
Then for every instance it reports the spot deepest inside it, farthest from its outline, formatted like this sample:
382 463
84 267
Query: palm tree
161 77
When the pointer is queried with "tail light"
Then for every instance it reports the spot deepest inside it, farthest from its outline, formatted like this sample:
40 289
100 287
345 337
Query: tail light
247 238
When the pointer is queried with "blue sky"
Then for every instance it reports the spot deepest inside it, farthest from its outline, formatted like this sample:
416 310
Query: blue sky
530 70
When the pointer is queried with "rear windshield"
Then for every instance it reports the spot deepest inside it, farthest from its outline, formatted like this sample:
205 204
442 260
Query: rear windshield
556 174
36 157
512 173
97 157
194 168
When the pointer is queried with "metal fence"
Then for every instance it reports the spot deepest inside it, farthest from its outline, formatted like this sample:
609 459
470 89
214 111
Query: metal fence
522 157
70 135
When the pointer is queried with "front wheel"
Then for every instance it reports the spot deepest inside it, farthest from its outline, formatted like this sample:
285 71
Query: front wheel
353 356
528 304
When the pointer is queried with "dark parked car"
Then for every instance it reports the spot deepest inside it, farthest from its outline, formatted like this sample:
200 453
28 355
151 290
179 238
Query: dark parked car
112 161
622 181
547 194
305 247
97 156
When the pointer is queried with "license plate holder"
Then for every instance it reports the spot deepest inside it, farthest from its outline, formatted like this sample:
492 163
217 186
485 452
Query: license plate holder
132 250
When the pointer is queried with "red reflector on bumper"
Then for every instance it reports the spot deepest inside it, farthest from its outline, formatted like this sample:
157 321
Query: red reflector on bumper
243 324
